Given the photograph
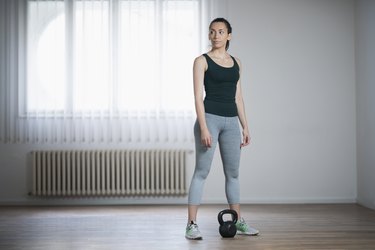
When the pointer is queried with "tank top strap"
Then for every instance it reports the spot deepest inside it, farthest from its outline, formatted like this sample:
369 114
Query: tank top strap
208 59
235 62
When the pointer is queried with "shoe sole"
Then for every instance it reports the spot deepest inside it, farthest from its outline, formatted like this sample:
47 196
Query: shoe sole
198 238
248 234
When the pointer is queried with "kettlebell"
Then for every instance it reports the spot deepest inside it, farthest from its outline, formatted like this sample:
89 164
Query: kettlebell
227 228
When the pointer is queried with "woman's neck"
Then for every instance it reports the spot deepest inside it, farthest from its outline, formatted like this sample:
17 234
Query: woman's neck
219 53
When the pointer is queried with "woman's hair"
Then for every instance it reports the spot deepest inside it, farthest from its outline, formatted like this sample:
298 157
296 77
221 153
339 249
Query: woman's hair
227 25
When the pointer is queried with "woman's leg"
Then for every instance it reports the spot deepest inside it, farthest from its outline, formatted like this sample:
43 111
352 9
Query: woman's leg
236 207
203 161
230 151
230 141
192 212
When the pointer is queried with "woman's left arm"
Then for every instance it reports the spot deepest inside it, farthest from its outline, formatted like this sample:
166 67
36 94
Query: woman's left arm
241 112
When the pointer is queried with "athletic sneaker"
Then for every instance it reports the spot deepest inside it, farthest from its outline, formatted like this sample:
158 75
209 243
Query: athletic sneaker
244 229
192 231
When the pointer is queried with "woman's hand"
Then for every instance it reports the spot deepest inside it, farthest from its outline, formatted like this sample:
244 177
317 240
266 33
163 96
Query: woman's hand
206 138
245 138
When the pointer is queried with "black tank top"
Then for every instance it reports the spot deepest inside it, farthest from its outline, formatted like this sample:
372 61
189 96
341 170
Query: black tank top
220 84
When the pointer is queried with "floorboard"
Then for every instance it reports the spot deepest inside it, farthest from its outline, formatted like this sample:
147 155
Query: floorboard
340 226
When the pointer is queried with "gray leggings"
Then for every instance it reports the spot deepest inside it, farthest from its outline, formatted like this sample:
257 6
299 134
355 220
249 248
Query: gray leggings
224 130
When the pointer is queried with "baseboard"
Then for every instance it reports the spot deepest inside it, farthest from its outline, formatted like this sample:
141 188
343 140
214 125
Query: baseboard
166 201
331 200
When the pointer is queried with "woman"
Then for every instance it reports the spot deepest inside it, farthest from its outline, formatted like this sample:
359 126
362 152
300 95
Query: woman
217 122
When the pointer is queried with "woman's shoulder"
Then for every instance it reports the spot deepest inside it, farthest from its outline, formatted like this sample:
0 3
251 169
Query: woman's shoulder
201 57
200 60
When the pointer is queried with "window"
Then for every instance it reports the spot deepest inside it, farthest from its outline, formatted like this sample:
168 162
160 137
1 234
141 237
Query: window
101 71
110 56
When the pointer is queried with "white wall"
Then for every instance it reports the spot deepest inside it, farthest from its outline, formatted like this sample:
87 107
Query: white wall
365 58
299 84
299 88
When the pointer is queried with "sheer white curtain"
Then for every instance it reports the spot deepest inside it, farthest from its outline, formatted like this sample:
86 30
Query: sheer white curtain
8 70
99 70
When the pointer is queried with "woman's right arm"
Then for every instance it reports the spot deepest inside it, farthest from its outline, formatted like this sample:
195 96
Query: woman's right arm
199 68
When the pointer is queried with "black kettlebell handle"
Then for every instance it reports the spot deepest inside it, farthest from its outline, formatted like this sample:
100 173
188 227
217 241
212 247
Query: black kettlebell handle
227 211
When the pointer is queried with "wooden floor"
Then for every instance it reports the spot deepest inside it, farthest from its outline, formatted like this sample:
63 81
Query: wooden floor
162 227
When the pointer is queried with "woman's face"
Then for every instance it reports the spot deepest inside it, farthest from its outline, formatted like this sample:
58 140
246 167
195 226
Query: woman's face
218 35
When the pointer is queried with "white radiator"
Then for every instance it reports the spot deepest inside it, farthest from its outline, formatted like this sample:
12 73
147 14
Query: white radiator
109 173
